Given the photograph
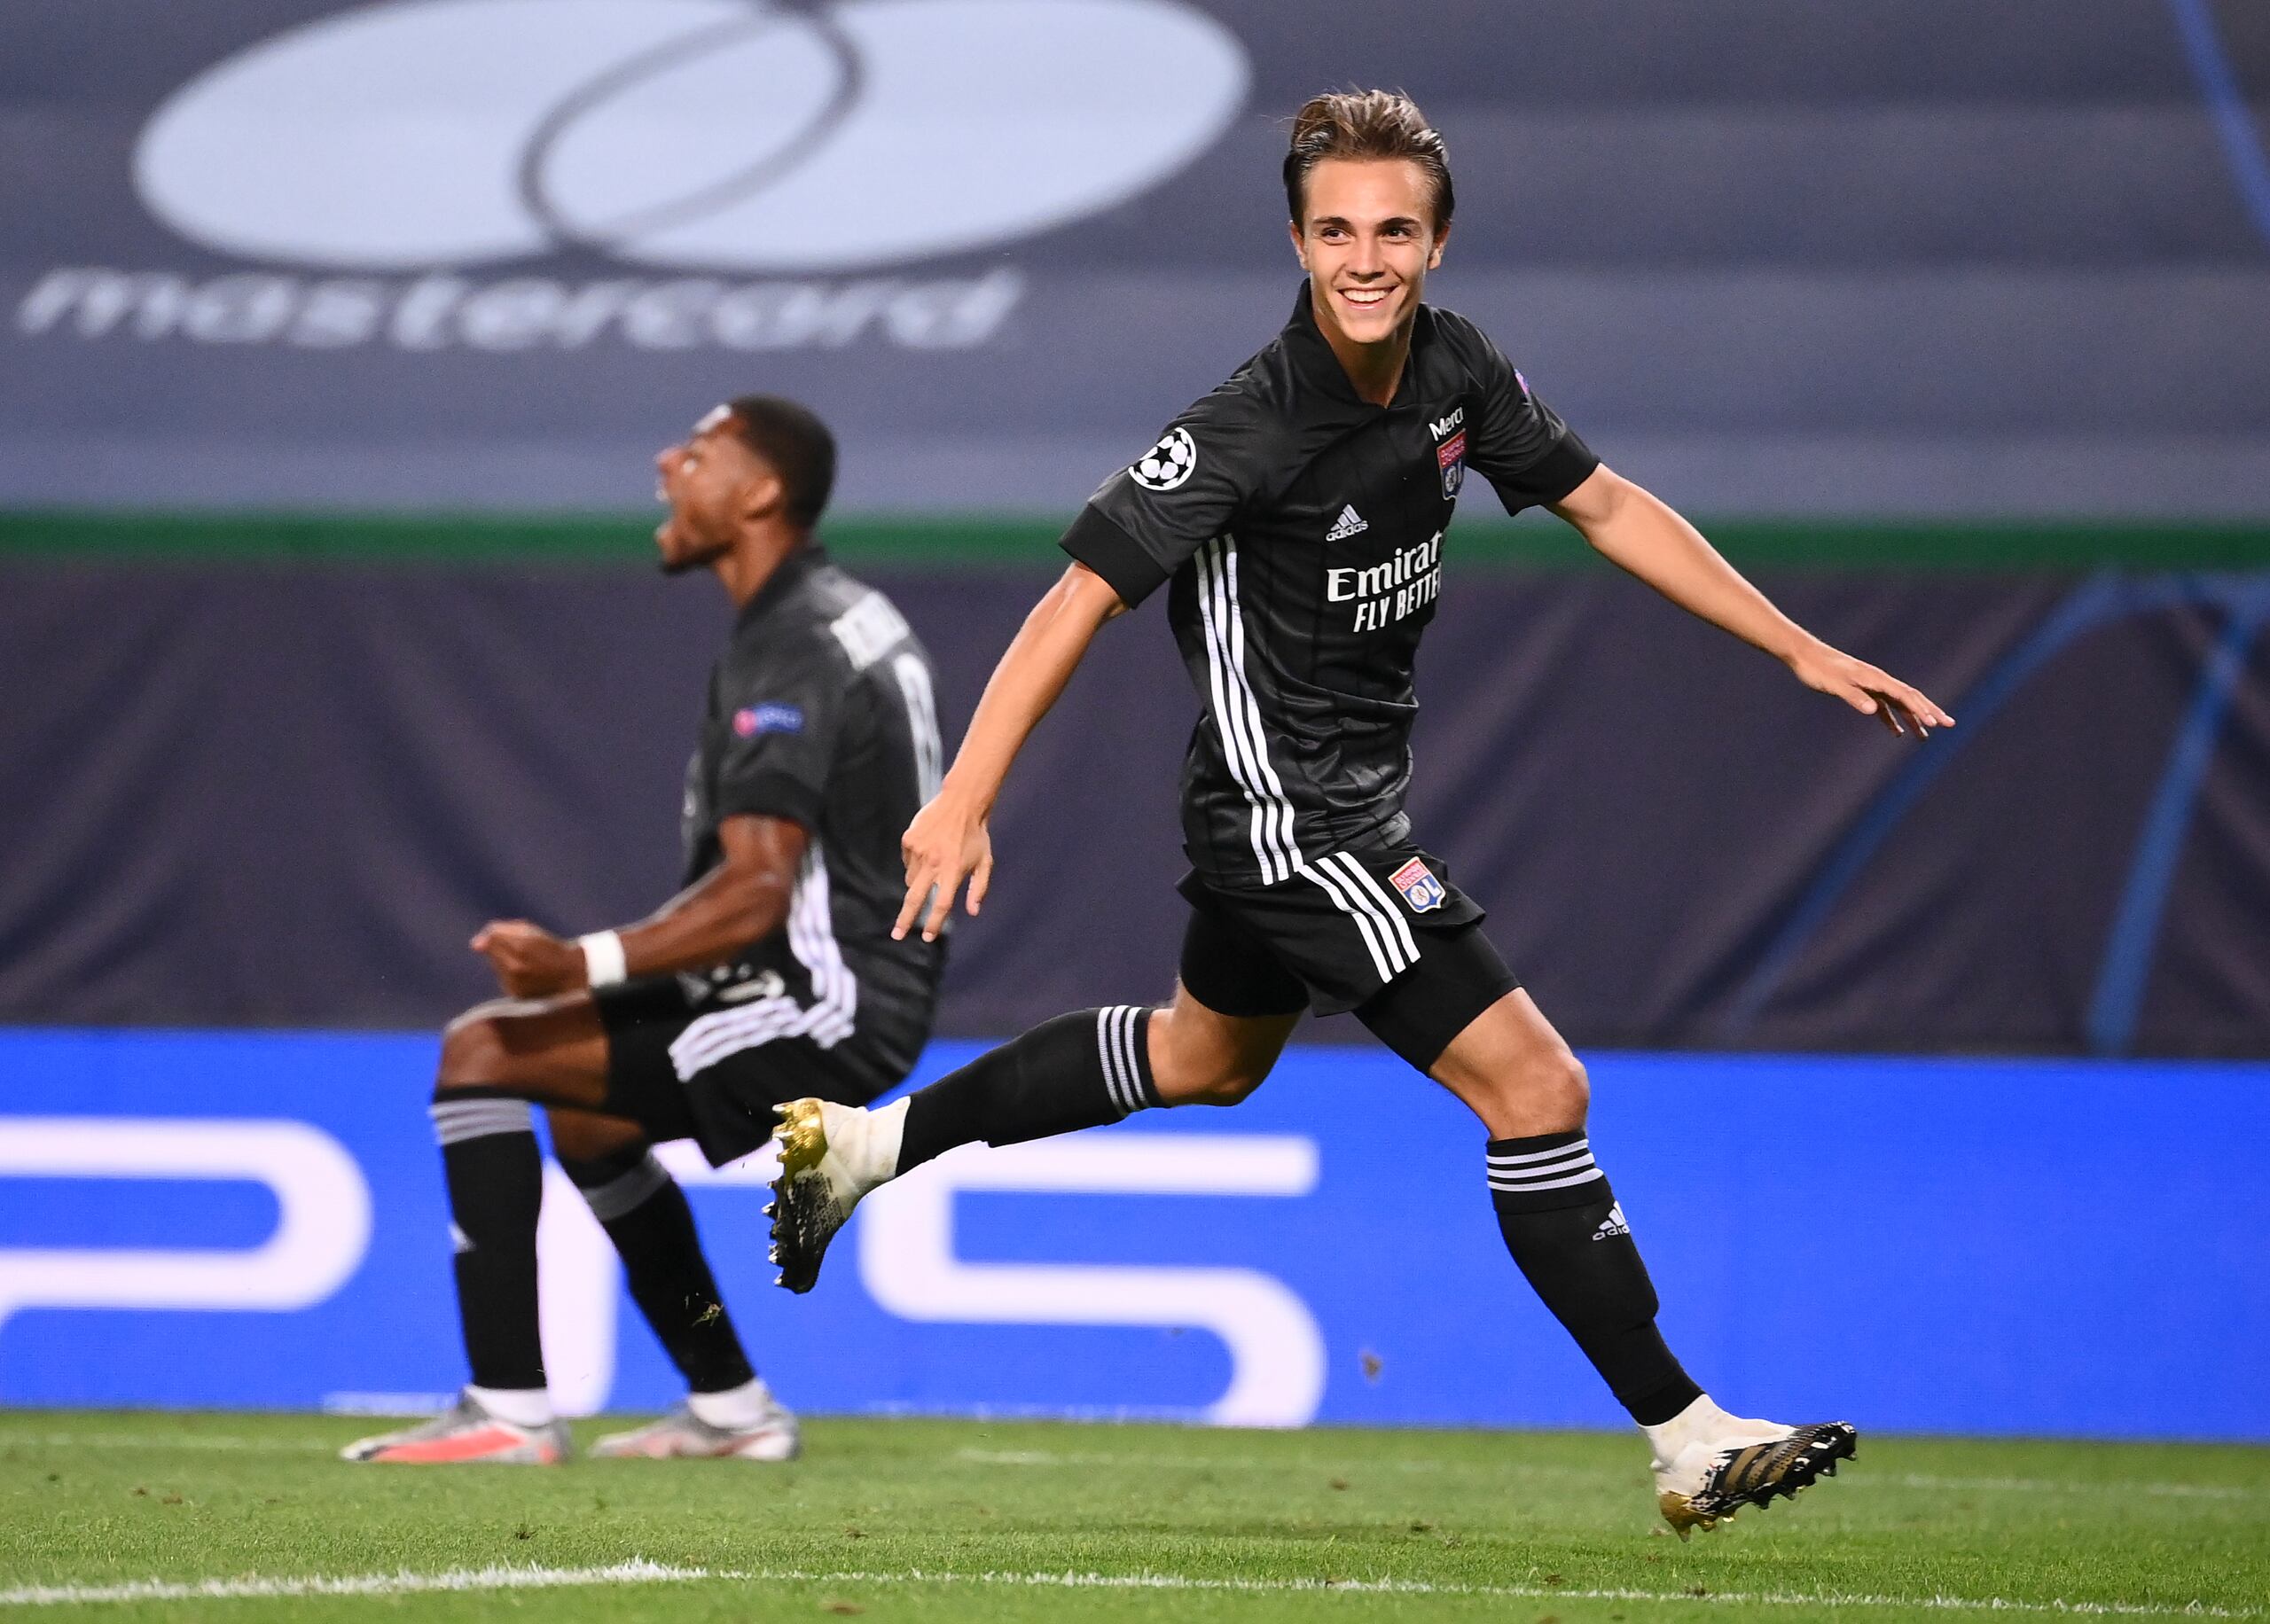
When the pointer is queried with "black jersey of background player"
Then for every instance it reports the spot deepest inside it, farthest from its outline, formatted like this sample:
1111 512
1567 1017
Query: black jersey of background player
1302 529
821 712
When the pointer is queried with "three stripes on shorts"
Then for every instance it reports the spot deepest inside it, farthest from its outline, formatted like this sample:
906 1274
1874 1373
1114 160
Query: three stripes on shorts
1386 932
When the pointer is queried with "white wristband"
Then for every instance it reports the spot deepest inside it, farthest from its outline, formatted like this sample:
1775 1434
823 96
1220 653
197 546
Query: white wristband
603 962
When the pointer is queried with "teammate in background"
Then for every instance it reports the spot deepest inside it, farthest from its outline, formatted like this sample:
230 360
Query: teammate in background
773 974
1296 515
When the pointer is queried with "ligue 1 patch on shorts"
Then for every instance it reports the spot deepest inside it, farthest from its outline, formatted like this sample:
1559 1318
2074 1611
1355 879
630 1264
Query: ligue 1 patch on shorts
1419 886
1449 457
751 719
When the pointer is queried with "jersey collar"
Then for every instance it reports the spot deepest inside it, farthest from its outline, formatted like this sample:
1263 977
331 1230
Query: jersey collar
1315 364
784 579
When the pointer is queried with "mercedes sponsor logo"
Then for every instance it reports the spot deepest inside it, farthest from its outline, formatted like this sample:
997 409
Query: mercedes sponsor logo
718 134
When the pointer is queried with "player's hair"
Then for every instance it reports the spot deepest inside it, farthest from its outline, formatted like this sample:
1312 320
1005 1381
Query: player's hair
1366 124
798 446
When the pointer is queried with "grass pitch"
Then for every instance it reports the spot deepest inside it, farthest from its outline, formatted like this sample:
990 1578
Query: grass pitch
242 1517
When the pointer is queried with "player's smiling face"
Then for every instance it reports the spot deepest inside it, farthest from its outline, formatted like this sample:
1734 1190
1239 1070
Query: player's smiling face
1367 240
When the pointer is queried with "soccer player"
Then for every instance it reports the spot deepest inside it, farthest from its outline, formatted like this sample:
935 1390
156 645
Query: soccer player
1295 516
774 974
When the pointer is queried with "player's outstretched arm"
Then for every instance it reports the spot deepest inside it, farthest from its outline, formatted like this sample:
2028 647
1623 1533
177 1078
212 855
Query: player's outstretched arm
1639 531
742 899
948 842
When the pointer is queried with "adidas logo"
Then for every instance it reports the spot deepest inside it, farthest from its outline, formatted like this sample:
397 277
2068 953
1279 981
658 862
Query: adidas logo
1350 523
1613 1224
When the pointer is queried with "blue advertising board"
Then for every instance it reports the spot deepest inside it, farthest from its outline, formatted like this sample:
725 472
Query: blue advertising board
256 1220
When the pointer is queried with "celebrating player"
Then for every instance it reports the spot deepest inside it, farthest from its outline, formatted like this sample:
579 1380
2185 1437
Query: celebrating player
1296 515
775 973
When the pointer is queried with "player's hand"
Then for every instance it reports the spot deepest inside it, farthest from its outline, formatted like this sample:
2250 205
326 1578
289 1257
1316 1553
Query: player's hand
946 844
530 961
1873 692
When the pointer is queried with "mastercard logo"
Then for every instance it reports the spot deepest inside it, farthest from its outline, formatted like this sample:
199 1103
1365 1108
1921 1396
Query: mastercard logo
692 134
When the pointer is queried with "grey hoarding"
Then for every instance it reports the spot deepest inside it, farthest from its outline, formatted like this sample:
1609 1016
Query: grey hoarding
284 795
1771 256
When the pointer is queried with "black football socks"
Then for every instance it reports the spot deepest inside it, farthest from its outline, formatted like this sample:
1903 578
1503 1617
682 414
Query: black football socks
1077 1071
1562 1222
495 1176
646 1215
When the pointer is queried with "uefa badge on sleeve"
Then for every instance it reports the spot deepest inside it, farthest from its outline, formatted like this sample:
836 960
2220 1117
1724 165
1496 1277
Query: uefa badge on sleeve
1420 887
1168 463
1449 457
752 719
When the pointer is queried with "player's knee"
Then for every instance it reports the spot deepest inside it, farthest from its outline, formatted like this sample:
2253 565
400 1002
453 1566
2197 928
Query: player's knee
1192 1065
1226 1086
473 1054
586 1137
1559 1086
1543 1093
1218 1077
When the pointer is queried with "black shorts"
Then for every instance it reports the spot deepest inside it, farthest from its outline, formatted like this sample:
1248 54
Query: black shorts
707 1057
1380 931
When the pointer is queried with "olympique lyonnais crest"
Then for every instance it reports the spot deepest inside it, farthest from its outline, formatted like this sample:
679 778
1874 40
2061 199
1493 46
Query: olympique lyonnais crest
1418 884
1449 457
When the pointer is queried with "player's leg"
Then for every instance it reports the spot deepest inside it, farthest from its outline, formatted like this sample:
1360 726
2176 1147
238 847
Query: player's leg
1567 1232
728 1411
495 1059
1554 1206
1213 1046
611 1160
1091 1068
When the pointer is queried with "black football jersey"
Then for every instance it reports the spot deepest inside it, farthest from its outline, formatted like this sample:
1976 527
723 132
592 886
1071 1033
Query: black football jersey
1299 529
821 711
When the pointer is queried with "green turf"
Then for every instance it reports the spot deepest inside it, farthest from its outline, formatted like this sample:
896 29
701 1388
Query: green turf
1219 1526
1027 541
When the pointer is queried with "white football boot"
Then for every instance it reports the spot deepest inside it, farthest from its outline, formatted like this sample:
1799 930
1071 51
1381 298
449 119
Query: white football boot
1709 1464
462 1433
683 1436
831 1155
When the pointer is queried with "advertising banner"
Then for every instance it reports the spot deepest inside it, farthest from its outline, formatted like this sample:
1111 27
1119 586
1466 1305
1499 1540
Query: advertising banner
240 1220
1768 257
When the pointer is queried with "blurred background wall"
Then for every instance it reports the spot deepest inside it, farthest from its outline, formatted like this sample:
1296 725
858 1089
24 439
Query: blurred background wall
334 345
338 336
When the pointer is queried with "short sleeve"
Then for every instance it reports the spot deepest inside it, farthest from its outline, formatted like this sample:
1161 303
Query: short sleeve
782 719
1517 442
1146 519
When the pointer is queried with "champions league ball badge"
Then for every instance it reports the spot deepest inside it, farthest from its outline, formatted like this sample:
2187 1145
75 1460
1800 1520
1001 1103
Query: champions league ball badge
1167 464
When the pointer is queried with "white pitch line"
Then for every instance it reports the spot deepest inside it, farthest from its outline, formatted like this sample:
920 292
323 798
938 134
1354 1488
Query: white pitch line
641 1572
636 1571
